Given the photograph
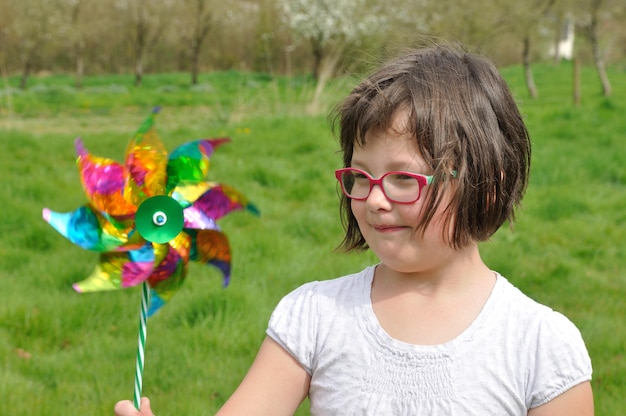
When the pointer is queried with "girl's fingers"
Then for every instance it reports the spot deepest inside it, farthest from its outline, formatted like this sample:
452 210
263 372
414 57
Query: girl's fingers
126 408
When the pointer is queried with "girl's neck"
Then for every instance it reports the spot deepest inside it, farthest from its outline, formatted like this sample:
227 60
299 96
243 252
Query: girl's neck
462 271
431 307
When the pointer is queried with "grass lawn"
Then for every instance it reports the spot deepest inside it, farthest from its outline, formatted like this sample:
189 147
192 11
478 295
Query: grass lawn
62 353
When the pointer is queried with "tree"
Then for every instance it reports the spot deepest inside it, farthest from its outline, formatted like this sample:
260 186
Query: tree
78 44
591 27
82 22
35 28
328 25
5 27
322 36
195 23
530 24
147 21
524 21
473 22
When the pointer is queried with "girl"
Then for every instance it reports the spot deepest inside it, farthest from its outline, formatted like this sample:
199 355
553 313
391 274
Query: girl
436 158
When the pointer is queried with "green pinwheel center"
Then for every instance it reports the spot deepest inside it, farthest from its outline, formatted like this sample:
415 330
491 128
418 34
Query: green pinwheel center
159 219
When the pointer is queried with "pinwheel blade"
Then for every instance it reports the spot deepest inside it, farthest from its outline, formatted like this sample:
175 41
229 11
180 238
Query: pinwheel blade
162 291
211 247
220 200
186 193
169 274
189 163
146 164
88 228
103 182
117 270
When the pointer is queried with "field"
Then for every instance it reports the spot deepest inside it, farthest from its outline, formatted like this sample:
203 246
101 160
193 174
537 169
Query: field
62 353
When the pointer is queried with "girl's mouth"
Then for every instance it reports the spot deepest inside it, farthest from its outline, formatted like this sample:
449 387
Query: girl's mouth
387 228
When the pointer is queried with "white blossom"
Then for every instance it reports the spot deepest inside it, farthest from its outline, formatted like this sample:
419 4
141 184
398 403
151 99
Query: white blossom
325 20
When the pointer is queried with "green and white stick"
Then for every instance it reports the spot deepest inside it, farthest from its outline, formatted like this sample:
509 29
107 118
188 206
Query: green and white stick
143 315
158 220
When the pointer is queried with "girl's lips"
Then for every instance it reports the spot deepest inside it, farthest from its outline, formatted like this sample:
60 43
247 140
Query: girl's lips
387 228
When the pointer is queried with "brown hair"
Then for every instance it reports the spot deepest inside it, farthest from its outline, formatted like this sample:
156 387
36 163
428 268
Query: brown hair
464 118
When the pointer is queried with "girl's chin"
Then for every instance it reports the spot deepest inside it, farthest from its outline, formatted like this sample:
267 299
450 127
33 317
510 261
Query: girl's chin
400 263
402 267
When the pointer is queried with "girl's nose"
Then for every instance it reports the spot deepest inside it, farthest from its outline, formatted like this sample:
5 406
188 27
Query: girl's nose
377 199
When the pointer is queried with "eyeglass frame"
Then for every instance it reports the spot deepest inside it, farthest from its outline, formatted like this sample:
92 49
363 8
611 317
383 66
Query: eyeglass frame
422 180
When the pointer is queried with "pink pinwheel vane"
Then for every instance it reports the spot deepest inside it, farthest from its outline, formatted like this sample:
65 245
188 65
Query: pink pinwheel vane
170 195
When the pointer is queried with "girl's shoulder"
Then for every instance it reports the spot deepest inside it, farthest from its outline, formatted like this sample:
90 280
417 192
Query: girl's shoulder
317 301
548 343
348 285
310 312
537 320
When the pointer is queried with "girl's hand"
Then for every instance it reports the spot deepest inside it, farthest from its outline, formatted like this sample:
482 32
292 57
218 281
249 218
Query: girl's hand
126 408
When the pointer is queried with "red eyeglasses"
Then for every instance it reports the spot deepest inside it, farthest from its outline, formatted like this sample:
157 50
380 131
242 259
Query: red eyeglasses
399 187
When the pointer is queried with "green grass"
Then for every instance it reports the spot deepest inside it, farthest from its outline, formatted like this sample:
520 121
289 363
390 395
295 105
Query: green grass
62 353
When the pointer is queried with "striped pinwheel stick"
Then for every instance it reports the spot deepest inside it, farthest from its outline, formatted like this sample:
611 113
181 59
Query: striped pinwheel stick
141 344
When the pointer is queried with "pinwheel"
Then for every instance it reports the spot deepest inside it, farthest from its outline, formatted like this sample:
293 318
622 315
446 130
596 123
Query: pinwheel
149 217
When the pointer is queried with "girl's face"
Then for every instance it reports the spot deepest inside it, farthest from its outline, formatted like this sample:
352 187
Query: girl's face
389 228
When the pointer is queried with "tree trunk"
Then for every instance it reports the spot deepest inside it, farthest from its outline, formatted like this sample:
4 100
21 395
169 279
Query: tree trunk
328 68
80 67
79 62
288 50
557 41
195 63
138 71
597 53
576 86
26 69
604 79
318 54
24 77
528 72
201 30
141 46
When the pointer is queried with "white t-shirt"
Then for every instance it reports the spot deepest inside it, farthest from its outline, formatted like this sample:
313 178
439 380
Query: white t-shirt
516 355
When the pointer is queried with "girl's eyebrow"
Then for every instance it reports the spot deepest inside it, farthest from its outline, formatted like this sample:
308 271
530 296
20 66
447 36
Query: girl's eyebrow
425 172
356 164
403 166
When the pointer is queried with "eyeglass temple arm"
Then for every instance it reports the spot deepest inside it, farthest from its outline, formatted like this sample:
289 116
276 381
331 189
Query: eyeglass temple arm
431 178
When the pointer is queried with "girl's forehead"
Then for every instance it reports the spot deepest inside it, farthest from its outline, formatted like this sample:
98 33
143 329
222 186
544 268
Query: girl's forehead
389 150
398 126
397 134
399 122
